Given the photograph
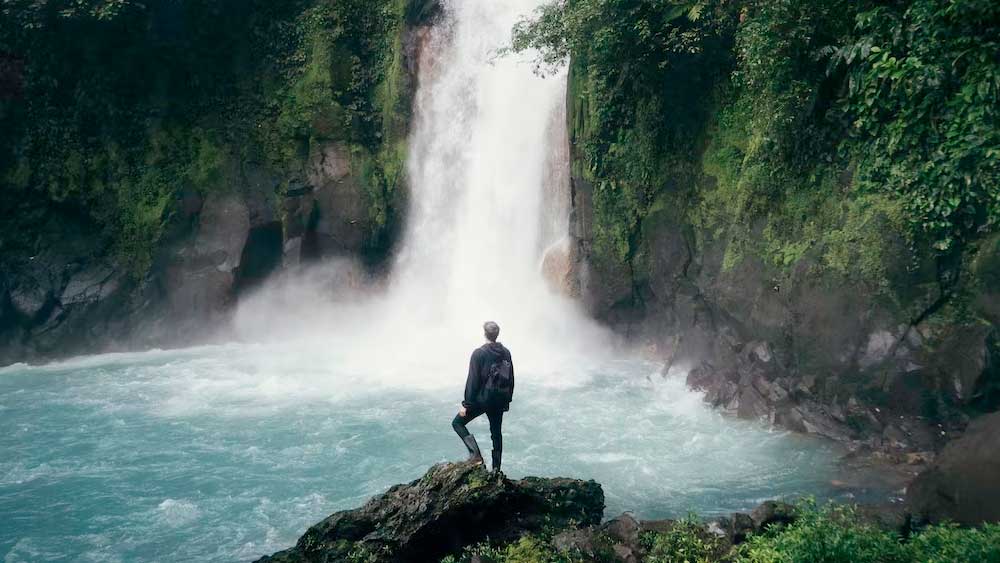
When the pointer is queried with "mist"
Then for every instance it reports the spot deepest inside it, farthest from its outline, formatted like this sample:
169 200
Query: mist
488 180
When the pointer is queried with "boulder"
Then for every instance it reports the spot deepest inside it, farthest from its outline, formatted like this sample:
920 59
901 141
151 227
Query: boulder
772 512
737 527
199 280
222 233
29 300
341 217
963 484
559 267
575 541
878 347
91 284
623 529
965 361
452 506
986 273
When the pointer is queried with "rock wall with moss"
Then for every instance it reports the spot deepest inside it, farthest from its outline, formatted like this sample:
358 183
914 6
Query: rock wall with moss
159 158
798 200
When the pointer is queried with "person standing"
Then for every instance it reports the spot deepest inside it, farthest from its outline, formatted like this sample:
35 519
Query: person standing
489 388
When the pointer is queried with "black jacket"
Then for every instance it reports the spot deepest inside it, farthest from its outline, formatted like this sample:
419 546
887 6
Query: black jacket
482 358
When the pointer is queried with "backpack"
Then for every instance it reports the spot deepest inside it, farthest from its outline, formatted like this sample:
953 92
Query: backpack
498 389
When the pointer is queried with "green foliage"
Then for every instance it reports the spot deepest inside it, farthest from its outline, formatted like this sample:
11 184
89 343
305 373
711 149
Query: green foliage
781 90
860 244
923 96
627 58
527 549
686 541
861 137
368 555
778 193
123 105
835 534
947 543
612 31
346 83
831 534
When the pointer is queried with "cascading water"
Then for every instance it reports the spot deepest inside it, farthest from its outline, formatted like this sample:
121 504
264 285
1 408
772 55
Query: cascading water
481 146
331 393
489 193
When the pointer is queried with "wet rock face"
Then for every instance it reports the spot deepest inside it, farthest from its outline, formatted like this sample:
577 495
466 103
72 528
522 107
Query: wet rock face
963 484
452 506
560 265
76 297
201 274
620 539
339 220
799 346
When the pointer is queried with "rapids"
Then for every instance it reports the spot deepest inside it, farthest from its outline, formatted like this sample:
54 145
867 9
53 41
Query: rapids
227 453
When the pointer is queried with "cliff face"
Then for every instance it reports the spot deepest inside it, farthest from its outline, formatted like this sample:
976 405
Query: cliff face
813 352
736 211
151 179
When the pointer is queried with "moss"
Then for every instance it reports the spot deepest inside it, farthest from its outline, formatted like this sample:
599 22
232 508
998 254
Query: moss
121 144
763 210
19 175
368 555
858 247
762 160
532 548
477 479
527 550
986 264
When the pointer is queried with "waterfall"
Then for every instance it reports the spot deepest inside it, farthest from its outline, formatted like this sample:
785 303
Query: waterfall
487 172
489 183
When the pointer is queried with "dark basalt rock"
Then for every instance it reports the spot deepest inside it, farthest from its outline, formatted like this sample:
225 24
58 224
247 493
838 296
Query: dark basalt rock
963 484
770 513
619 540
799 346
453 505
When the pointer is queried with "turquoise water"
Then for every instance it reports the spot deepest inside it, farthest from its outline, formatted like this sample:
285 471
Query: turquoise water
227 453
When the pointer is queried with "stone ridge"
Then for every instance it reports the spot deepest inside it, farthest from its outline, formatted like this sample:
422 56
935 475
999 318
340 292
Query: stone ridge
452 506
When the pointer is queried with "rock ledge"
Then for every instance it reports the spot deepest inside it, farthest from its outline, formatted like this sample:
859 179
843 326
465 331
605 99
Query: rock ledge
453 505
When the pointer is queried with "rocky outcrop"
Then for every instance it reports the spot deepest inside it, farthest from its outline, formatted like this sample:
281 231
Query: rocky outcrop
798 347
76 297
963 484
66 288
450 507
619 539
461 510
558 266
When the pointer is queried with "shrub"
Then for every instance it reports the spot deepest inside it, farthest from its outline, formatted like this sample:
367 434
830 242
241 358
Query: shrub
686 541
947 543
831 534
923 94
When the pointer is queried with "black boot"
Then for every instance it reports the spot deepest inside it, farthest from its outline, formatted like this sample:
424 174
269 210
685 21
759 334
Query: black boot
474 454
496 461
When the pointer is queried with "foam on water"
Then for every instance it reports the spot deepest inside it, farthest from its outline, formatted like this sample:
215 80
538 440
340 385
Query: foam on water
224 453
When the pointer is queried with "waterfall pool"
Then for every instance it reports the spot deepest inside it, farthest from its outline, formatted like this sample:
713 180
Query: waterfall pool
227 453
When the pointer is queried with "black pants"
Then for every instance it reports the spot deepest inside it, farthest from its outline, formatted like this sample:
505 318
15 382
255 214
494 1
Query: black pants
496 419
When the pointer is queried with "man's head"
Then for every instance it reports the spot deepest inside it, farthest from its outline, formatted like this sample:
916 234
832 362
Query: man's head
491 330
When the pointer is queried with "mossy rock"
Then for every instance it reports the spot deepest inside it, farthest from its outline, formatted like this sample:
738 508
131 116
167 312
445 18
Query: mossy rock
454 505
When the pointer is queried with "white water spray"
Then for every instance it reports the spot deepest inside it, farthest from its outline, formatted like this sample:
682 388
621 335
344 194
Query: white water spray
481 151
487 170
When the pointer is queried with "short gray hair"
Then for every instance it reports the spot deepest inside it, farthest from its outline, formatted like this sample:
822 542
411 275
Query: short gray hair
492 330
